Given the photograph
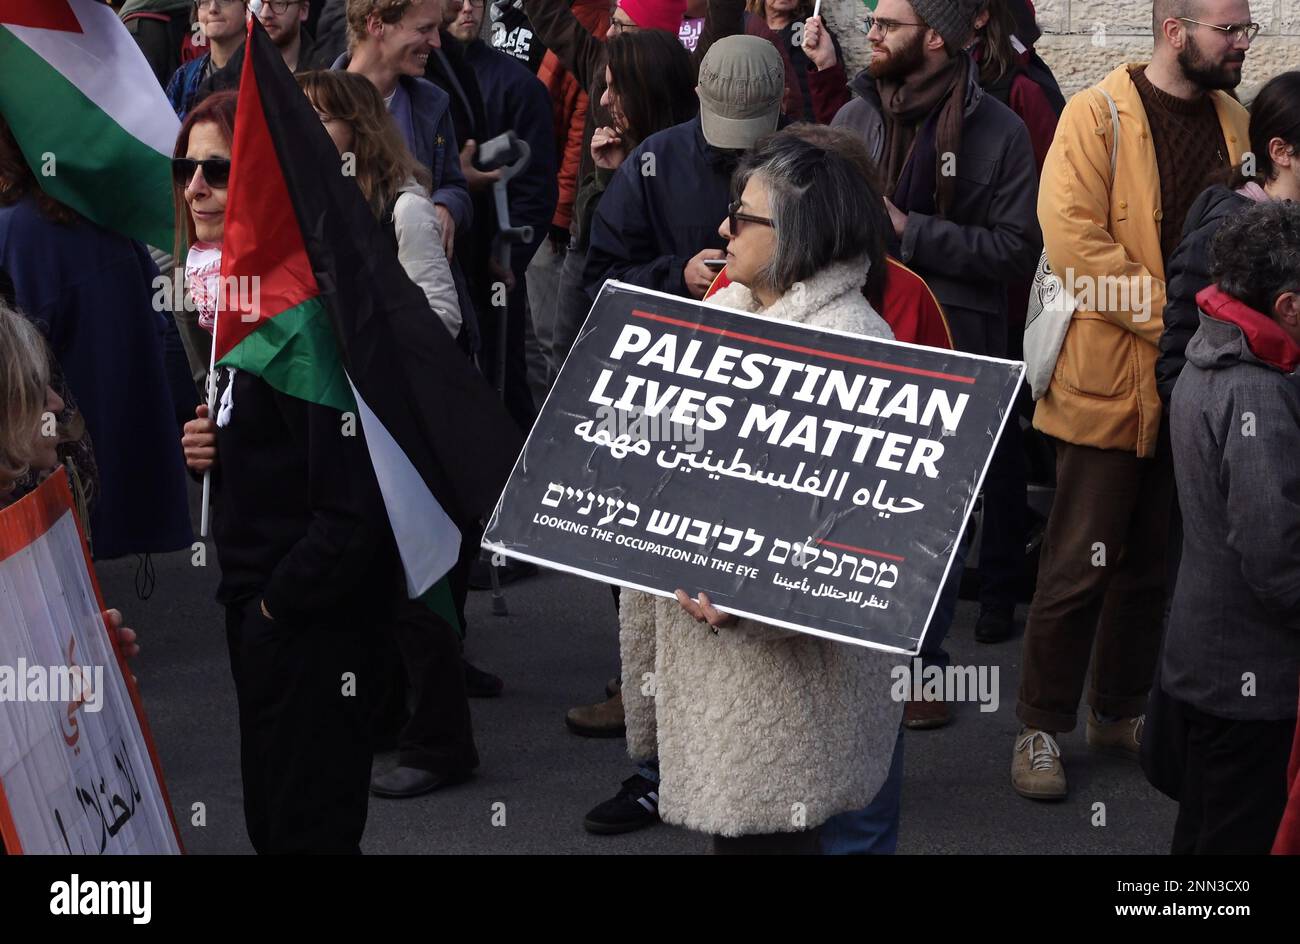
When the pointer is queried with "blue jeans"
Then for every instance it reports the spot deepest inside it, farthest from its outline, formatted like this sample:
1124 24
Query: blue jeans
872 830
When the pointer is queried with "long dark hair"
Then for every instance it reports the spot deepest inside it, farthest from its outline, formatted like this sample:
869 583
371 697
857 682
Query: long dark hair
999 56
654 80
384 164
1275 113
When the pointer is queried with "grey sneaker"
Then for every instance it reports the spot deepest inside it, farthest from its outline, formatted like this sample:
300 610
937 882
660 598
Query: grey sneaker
1036 769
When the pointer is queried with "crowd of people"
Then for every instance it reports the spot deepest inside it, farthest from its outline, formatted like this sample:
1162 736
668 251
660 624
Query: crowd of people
720 150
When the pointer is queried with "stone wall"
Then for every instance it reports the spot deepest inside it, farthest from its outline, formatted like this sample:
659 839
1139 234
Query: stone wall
1084 39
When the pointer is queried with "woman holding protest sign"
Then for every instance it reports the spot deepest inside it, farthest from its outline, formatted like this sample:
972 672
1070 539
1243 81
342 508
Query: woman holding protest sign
27 399
27 448
763 733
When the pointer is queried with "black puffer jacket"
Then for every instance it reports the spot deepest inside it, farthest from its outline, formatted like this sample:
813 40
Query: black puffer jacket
1189 272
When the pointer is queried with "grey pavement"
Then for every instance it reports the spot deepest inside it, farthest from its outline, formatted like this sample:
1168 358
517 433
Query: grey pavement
555 649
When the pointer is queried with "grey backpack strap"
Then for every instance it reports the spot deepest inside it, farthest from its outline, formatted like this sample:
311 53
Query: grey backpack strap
1114 124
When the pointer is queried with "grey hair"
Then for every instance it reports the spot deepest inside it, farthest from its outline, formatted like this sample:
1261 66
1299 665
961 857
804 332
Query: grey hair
822 208
24 377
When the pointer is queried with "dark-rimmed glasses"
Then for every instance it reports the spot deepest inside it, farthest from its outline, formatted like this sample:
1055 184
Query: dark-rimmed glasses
734 216
871 21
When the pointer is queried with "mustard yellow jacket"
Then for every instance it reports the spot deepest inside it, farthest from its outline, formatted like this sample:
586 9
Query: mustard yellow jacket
1102 238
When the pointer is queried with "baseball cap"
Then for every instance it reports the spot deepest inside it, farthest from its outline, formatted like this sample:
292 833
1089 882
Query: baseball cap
741 85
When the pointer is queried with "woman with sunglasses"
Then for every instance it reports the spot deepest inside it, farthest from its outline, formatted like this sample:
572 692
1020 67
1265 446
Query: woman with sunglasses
762 733
201 172
308 564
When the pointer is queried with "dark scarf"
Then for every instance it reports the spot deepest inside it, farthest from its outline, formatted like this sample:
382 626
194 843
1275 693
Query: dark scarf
923 119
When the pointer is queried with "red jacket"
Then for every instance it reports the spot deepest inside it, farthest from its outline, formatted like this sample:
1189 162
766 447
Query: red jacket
569 109
906 303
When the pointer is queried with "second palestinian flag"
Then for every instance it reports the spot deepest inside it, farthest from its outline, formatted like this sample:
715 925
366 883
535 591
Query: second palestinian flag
340 324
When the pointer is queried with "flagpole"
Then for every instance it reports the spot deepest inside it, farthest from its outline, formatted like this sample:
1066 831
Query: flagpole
212 403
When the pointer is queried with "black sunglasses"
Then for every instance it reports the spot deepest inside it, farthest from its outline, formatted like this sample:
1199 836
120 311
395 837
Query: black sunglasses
734 214
216 171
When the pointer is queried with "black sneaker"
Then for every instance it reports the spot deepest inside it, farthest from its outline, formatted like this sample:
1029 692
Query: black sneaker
635 807
995 624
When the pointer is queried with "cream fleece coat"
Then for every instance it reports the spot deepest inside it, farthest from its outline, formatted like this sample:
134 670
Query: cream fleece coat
760 729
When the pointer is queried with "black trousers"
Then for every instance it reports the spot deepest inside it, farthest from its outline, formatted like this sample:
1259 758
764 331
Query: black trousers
1234 788
437 733
423 702
1002 534
304 741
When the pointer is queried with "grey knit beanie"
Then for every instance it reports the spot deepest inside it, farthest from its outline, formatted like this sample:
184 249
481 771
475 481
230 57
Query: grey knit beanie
951 19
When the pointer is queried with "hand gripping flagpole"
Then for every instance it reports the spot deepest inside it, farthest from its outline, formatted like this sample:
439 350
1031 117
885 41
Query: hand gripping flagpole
212 405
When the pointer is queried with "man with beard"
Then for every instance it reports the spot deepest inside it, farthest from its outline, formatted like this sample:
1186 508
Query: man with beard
284 22
958 170
1101 578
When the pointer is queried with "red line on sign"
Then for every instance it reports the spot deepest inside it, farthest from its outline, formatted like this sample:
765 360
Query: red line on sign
861 550
800 349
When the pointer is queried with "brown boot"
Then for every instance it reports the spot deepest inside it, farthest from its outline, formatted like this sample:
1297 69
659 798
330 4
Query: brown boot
604 720
1122 738
921 715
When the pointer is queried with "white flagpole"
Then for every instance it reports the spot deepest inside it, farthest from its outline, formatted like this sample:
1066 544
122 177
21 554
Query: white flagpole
212 405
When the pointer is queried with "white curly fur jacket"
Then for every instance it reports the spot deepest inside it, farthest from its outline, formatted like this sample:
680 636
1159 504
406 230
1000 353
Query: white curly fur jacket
759 729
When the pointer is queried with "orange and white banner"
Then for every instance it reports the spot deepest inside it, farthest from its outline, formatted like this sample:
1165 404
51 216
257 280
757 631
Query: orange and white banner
78 773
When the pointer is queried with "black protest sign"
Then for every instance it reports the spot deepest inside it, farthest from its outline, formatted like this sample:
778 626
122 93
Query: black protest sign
808 478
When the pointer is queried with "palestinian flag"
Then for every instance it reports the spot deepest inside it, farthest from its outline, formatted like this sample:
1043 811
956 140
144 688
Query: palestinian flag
340 324
88 114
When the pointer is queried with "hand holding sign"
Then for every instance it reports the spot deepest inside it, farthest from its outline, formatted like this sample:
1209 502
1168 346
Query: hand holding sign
703 611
